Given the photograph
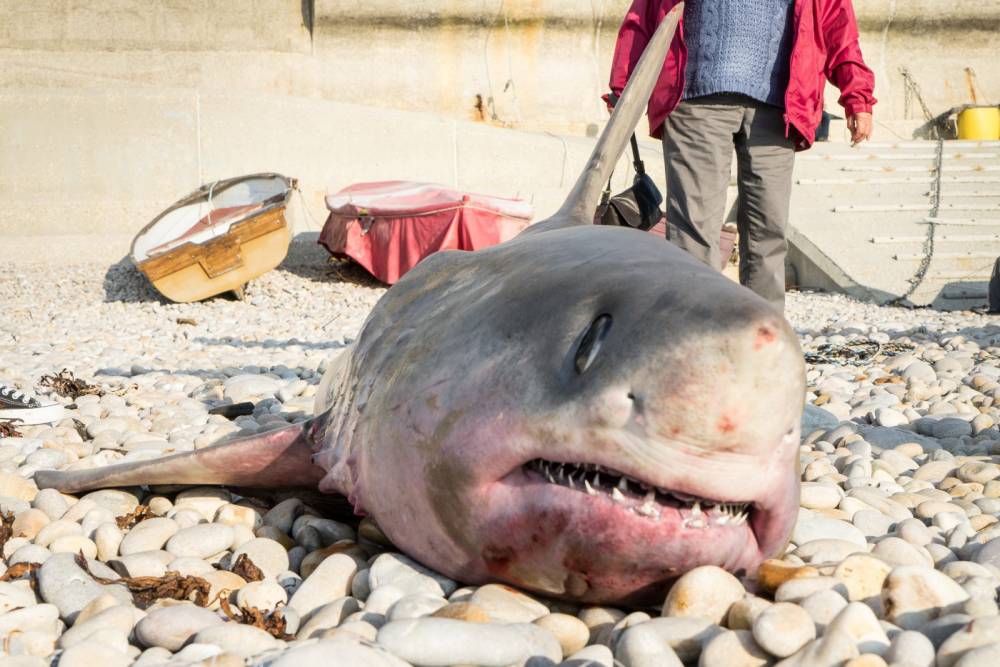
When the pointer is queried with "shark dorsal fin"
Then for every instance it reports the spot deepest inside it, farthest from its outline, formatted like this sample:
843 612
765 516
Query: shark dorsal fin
580 205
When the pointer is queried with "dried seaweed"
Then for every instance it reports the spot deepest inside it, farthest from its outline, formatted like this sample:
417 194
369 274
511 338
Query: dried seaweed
147 590
65 384
246 569
6 528
123 389
18 570
8 430
140 513
274 623
81 429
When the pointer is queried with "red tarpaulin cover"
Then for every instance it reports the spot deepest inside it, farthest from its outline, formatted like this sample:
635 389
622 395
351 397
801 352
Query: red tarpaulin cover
388 227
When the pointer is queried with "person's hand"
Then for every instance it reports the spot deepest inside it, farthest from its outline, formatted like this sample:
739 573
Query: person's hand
860 125
611 101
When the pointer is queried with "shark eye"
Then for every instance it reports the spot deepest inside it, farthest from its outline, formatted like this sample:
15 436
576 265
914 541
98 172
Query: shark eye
590 346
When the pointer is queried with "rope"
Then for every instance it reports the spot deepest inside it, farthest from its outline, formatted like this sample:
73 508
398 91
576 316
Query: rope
302 202
211 190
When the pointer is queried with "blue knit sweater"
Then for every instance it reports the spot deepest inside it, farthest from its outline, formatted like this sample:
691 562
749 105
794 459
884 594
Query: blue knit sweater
738 46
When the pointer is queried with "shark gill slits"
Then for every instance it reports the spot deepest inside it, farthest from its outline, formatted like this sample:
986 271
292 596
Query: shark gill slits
590 346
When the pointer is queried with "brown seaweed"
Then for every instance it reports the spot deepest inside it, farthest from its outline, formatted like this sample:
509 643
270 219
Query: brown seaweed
274 623
65 384
246 569
140 513
147 590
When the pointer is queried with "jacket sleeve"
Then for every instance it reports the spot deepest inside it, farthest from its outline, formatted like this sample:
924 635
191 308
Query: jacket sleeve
844 66
638 26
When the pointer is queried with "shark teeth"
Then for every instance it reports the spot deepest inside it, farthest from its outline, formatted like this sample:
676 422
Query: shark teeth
641 498
648 510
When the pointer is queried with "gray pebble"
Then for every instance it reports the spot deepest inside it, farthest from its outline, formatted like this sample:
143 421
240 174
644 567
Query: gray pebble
51 502
443 641
783 628
148 535
171 627
348 648
911 648
201 541
61 582
242 640
408 576
116 501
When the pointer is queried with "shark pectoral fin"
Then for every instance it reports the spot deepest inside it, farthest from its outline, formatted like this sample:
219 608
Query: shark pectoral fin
280 458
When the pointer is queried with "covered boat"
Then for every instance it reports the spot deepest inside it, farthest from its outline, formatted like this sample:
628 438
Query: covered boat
216 239
388 227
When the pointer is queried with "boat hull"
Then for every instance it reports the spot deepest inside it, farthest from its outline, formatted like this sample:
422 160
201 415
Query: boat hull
250 248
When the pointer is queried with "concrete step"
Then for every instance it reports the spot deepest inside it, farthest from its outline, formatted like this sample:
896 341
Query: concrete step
861 217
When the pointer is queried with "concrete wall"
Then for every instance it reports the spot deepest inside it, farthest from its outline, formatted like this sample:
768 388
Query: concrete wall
536 64
76 162
142 25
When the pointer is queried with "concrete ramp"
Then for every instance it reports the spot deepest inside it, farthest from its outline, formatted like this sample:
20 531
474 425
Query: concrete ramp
915 221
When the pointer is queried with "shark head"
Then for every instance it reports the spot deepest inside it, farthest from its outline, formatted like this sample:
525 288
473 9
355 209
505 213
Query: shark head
602 418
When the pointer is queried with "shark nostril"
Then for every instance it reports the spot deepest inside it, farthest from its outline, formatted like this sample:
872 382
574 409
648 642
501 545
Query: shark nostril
591 343
637 408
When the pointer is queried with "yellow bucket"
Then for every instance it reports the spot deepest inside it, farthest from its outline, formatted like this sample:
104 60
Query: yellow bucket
979 123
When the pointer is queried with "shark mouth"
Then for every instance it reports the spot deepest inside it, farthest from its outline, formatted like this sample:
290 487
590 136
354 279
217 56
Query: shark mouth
638 497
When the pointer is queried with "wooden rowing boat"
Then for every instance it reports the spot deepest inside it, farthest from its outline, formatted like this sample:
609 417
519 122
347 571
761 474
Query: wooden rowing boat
216 239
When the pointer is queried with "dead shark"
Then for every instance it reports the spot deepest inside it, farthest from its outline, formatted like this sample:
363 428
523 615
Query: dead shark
583 411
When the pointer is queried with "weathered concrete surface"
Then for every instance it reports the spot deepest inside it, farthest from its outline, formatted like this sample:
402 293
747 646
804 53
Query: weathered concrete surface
75 162
125 25
859 221
538 64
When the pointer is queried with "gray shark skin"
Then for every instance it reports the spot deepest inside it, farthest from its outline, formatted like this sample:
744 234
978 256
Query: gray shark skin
583 411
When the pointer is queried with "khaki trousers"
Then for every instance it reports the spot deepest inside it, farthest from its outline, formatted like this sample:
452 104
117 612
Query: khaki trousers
698 142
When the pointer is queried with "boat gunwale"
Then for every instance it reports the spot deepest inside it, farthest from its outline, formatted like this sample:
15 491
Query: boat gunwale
200 194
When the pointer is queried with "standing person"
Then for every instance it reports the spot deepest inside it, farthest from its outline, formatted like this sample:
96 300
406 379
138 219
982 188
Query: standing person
749 75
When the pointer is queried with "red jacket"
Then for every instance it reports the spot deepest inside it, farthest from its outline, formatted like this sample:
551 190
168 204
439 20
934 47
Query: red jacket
825 44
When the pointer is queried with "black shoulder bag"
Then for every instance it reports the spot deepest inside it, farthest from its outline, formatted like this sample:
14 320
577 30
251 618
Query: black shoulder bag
638 206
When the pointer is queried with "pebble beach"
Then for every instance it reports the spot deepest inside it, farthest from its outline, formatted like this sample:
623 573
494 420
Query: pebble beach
895 559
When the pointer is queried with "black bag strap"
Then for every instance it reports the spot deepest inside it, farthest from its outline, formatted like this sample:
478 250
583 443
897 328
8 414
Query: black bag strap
640 168
637 163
